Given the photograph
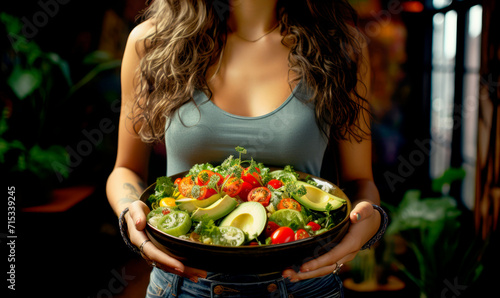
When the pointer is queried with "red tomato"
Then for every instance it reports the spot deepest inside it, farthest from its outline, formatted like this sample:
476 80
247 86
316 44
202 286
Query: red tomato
203 177
206 192
185 186
252 178
282 235
232 186
275 183
221 179
177 181
270 228
260 194
314 226
289 203
301 234
245 189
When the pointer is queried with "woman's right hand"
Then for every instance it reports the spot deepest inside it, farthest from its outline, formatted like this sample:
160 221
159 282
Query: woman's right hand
136 223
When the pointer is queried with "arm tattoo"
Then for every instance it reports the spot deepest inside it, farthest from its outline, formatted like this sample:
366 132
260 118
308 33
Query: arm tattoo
132 195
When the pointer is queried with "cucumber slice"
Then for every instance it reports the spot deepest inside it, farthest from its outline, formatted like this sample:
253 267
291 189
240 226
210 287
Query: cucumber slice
230 236
175 223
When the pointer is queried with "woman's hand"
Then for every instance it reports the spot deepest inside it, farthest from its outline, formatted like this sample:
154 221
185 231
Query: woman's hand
365 222
136 222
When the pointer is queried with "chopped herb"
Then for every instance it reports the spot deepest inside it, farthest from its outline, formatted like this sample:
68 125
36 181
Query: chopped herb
164 188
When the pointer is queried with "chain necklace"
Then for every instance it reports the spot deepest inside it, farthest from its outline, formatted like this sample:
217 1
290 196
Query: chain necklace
255 40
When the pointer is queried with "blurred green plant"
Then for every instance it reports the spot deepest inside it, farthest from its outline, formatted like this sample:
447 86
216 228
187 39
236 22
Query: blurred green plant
37 86
439 236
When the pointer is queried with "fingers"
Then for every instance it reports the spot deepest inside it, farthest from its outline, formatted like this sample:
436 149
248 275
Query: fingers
321 271
341 252
154 254
169 264
365 222
136 224
361 211
138 211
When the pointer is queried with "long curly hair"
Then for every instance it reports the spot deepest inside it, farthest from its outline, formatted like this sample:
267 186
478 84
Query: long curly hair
189 37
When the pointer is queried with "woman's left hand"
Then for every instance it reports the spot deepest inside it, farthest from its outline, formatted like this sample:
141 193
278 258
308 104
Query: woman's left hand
365 222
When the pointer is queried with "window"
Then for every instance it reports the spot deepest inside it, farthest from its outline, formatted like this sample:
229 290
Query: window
455 90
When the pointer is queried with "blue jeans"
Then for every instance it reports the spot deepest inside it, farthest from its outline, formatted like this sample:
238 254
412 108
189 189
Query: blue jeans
163 284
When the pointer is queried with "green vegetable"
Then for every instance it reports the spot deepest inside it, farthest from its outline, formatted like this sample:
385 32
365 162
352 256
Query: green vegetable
209 233
293 189
286 175
164 188
230 236
327 219
175 223
207 229
288 218
197 168
311 181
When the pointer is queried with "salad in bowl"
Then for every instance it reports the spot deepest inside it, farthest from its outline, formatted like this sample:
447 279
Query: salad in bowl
241 211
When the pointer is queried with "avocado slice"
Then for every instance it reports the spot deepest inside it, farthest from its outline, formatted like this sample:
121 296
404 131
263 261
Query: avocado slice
250 217
217 210
190 204
318 199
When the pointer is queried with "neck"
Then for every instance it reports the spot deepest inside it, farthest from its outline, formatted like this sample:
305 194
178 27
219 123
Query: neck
251 18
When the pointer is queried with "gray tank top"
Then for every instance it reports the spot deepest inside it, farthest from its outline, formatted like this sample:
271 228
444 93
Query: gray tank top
201 132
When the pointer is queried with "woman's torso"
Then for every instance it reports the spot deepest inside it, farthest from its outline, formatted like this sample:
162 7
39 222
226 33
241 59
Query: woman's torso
202 132
251 106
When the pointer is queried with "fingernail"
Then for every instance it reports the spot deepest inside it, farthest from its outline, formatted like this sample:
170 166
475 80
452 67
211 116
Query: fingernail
137 221
294 280
304 270
179 270
358 216
286 276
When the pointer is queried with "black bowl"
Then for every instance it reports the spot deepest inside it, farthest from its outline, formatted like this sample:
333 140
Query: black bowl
251 259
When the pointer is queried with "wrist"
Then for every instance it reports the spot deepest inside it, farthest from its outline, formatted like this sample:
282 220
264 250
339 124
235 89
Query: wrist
124 230
384 220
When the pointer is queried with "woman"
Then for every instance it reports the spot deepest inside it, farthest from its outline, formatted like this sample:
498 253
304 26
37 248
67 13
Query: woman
284 79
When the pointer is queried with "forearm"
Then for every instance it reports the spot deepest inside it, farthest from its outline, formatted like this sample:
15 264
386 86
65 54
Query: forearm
362 190
123 187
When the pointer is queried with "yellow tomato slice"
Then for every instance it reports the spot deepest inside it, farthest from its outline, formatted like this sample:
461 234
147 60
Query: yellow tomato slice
167 202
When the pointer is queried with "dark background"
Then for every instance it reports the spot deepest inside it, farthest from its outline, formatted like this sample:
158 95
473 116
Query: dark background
78 252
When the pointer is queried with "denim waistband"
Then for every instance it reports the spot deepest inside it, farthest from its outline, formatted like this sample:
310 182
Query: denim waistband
242 278
217 285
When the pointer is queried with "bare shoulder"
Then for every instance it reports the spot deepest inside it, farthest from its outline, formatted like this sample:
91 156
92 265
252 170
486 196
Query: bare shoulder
140 33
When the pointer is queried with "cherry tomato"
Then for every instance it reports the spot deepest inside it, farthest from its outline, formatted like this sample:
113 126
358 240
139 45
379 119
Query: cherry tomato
185 186
314 226
275 183
232 186
260 194
282 235
177 181
270 228
252 178
203 177
289 203
206 193
221 179
301 234
245 189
